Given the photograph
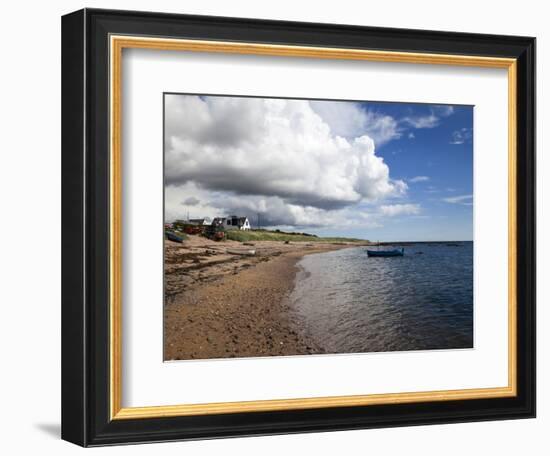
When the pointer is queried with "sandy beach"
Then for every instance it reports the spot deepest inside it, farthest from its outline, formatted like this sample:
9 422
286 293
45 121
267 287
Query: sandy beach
221 303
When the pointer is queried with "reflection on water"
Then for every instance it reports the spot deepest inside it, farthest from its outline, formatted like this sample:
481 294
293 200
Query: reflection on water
351 303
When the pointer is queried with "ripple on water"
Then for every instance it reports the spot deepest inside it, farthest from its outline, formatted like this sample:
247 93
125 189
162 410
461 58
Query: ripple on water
351 303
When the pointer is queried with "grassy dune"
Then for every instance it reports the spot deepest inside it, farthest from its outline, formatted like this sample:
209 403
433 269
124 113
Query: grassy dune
265 235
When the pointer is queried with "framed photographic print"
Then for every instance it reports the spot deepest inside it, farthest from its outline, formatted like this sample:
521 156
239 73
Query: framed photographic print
279 227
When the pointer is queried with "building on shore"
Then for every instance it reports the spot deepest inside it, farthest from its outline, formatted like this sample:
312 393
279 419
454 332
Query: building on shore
233 223
200 221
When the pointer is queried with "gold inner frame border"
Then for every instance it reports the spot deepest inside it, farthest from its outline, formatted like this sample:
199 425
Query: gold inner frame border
116 46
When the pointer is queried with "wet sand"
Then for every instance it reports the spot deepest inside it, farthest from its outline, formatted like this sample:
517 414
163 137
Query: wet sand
224 305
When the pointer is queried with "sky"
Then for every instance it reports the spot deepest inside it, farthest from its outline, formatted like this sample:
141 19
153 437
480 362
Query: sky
370 170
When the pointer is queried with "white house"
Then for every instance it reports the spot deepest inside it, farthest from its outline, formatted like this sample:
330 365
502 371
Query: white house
201 221
236 223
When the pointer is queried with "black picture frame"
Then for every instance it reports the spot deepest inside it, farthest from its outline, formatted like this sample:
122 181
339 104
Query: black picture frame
85 224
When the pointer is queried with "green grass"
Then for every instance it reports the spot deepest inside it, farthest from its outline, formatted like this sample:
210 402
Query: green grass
265 235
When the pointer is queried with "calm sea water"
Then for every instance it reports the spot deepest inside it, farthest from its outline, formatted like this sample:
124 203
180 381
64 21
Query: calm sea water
350 303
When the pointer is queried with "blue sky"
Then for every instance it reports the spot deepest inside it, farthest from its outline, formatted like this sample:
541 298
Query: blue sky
379 171
440 157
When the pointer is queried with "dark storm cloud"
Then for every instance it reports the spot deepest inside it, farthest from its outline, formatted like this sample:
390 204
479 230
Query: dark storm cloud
191 201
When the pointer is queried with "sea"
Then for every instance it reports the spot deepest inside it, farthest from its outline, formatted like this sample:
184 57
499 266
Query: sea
349 302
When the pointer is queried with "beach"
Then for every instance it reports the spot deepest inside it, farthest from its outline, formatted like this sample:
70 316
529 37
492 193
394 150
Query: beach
222 301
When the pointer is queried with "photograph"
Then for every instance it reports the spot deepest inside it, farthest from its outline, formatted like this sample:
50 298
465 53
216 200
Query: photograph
272 226
313 227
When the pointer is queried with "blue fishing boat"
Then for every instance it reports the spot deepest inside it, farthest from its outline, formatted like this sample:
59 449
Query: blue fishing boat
173 237
386 253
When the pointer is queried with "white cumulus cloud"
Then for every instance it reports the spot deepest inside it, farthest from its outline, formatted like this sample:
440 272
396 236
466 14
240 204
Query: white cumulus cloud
461 136
427 121
416 179
392 210
431 120
467 200
350 120
272 148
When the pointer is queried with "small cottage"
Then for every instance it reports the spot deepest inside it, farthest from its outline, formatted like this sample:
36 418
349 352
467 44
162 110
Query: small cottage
201 221
236 223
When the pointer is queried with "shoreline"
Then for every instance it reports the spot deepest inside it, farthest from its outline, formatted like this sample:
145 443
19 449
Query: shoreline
222 305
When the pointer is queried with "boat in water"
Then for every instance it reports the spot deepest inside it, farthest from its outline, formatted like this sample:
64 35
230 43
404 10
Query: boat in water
386 253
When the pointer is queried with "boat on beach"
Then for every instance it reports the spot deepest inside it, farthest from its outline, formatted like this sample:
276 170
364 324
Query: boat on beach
173 237
250 252
386 253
